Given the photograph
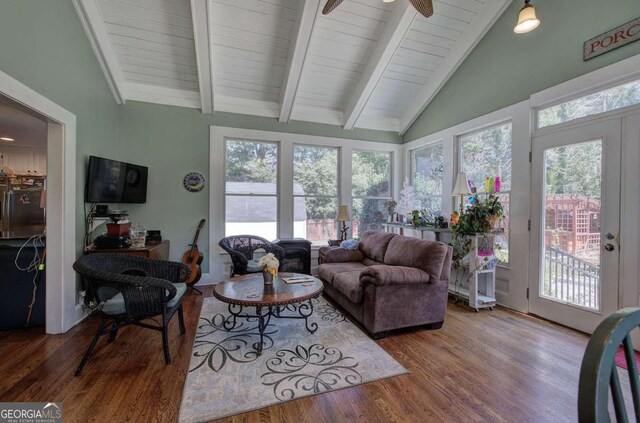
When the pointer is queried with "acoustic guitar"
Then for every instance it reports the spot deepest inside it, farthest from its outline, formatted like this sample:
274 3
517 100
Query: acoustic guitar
193 258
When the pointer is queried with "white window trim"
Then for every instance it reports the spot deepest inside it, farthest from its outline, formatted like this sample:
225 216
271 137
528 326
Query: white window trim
512 282
276 195
611 76
218 134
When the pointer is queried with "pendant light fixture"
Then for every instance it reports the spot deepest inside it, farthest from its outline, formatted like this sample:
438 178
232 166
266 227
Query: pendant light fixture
527 20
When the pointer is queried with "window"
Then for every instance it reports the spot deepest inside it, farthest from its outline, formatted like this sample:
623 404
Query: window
487 153
251 188
600 102
371 188
427 171
315 192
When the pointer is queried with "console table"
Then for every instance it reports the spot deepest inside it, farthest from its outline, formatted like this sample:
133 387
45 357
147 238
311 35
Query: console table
391 227
152 250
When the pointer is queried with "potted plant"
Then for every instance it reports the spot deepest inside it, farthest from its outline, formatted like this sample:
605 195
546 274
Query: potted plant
481 217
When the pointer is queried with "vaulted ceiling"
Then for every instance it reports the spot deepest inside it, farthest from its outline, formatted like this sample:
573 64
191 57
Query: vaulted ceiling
368 64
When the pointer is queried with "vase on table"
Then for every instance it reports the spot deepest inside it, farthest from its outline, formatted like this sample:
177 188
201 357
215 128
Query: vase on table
268 277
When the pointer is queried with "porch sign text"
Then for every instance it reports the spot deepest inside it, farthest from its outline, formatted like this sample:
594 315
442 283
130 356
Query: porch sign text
611 40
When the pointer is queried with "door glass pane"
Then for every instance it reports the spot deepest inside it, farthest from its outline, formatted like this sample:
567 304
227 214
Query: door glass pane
573 181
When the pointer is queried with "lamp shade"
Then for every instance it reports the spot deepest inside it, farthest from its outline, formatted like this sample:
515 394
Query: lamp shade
343 214
462 186
527 20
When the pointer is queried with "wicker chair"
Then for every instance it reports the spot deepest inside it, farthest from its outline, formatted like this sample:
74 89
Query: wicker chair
599 379
241 249
130 289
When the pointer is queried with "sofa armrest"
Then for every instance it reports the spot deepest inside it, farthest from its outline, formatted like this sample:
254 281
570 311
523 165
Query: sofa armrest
380 275
340 255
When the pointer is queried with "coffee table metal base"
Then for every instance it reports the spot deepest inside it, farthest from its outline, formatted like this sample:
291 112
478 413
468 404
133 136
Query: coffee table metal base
264 314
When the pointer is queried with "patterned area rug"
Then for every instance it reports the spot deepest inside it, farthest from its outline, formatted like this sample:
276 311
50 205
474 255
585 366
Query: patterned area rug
227 377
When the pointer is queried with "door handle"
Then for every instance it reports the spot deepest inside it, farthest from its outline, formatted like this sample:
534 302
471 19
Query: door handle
609 247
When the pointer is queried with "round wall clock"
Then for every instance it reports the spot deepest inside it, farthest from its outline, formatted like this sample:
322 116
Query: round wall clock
194 181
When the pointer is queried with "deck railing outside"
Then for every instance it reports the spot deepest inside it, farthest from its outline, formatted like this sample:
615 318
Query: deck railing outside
571 279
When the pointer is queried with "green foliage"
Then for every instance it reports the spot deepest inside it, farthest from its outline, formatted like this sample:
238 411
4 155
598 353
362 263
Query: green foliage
316 171
574 169
488 153
371 174
249 161
427 176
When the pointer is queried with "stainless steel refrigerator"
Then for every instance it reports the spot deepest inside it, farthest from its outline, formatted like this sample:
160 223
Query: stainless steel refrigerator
21 207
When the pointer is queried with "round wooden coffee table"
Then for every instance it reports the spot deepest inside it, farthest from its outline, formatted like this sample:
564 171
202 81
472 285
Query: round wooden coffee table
280 300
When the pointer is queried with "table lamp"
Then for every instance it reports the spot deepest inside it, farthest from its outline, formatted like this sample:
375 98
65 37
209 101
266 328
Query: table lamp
343 216
461 188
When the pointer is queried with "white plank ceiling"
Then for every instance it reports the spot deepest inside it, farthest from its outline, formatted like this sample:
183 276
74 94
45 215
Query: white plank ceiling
367 64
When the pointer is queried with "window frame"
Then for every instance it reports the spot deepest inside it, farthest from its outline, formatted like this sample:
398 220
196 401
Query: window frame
610 85
390 154
338 195
278 178
412 169
459 168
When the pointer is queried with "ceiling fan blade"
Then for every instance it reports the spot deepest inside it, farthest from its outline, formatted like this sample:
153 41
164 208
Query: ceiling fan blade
331 4
425 7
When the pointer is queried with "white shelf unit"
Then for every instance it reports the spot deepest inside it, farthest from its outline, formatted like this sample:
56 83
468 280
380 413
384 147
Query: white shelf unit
481 292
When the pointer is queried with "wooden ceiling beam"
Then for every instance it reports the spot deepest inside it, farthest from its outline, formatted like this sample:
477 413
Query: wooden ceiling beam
307 13
99 39
204 58
463 47
392 36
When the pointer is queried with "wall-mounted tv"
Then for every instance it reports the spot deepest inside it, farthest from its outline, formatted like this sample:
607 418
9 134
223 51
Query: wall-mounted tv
111 181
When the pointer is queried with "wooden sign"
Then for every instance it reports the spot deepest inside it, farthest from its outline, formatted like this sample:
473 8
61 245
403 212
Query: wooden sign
611 40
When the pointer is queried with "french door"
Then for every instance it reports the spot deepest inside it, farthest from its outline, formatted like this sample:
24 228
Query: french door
575 224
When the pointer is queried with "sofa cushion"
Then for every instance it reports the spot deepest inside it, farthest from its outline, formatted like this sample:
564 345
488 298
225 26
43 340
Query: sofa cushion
393 275
368 262
115 305
328 271
374 244
348 284
339 255
412 252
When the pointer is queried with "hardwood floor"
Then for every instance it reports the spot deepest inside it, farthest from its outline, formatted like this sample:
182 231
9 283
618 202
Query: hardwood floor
493 366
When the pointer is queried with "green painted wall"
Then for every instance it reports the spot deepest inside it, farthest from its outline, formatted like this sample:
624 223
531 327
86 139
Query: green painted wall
43 45
173 141
506 68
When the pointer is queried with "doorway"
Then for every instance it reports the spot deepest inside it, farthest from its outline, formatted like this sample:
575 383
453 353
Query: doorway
579 226
62 308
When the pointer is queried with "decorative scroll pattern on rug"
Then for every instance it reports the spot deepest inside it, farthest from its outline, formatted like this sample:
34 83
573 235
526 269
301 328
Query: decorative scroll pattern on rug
227 377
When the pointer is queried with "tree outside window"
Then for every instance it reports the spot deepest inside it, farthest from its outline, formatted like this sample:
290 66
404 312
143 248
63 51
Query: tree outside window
427 172
315 191
371 188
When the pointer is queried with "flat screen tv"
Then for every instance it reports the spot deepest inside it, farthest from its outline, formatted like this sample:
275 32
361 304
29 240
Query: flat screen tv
111 181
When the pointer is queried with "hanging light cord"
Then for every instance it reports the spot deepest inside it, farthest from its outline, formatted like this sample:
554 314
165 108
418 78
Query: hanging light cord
36 265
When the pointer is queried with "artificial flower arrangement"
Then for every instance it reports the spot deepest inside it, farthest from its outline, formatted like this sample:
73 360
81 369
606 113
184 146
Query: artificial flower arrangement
269 263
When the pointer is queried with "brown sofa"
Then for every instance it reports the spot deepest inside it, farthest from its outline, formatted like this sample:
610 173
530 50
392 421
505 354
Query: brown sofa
390 282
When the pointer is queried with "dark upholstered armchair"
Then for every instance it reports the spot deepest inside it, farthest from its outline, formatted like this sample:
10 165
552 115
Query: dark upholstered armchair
241 249
129 289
